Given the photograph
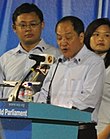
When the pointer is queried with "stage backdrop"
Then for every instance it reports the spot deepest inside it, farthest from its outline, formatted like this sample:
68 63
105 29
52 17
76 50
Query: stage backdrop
53 10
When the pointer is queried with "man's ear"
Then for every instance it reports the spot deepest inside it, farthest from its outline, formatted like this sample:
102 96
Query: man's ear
14 28
81 37
43 24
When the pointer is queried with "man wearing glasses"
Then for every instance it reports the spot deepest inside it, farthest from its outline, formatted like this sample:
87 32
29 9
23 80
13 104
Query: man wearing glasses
28 24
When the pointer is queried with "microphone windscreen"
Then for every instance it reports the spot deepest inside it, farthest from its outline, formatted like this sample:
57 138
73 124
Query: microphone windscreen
59 60
37 57
49 59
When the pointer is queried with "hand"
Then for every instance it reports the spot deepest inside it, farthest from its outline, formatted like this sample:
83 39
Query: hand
105 133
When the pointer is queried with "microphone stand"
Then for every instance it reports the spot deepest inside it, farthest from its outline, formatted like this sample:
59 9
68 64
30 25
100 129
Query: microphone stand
49 95
15 92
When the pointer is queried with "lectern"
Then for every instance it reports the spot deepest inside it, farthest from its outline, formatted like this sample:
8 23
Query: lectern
22 120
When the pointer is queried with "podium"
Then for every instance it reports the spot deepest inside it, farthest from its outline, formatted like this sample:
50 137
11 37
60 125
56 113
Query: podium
39 121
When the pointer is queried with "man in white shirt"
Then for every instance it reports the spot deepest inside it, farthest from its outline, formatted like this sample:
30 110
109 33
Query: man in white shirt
78 80
28 23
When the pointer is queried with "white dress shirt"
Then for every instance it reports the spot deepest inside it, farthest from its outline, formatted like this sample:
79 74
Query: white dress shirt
104 110
15 64
77 82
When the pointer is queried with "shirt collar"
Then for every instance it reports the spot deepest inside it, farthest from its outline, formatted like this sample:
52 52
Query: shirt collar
40 46
104 55
19 49
80 55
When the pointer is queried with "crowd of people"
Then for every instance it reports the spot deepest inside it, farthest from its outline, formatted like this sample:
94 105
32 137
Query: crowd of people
80 76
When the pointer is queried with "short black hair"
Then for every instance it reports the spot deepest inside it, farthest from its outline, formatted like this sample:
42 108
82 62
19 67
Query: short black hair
27 8
76 23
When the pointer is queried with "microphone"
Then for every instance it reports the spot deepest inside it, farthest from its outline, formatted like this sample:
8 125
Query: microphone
37 58
15 92
49 95
45 59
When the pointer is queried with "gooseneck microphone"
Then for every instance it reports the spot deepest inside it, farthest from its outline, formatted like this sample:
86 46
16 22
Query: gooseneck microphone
38 59
49 95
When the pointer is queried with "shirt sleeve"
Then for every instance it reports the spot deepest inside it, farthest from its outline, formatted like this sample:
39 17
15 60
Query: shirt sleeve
2 77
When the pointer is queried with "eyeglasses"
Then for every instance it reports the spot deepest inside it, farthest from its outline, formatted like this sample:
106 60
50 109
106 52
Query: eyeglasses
31 25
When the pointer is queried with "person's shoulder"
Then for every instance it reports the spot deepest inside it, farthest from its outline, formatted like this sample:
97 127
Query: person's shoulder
8 53
93 59
90 56
96 56
50 49
46 45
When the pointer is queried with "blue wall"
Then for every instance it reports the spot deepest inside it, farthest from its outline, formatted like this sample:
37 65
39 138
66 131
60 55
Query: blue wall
53 10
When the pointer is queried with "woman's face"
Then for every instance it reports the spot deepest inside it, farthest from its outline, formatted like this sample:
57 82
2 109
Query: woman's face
100 39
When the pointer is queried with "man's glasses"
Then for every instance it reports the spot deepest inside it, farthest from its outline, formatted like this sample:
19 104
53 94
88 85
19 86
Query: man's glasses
25 26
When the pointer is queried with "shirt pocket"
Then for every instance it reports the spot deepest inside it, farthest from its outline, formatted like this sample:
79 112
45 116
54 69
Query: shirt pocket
77 90
76 86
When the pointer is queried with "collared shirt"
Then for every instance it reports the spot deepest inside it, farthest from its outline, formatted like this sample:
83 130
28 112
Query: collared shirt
15 64
104 110
77 82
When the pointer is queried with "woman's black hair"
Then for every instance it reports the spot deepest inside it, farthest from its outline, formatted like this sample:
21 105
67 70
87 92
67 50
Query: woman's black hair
89 32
